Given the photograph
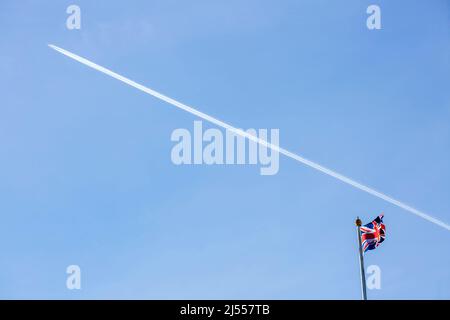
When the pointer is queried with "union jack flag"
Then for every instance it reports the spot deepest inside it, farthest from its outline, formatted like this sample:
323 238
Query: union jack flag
373 233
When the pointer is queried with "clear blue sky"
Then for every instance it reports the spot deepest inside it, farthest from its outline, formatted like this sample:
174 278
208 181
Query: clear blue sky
85 170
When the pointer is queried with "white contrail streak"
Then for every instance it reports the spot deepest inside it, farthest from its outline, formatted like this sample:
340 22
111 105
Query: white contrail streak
253 138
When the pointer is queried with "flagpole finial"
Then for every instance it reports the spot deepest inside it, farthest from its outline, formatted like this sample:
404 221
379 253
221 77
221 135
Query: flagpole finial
358 222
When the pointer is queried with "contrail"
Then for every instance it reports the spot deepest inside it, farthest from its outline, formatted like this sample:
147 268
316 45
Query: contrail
253 138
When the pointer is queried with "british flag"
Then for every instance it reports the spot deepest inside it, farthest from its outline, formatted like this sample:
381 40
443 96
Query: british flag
372 234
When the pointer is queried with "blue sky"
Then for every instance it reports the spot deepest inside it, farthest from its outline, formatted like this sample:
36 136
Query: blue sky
86 176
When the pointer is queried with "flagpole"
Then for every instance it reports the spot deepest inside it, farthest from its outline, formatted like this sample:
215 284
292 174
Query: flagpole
361 261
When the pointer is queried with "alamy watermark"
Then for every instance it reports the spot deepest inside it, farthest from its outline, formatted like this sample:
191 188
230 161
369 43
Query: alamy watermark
213 147
373 21
73 281
373 279
74 19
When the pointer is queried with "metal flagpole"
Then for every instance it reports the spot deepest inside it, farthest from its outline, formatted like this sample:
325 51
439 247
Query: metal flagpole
361 262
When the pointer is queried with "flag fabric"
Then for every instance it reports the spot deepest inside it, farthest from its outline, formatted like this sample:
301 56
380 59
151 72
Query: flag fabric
373 233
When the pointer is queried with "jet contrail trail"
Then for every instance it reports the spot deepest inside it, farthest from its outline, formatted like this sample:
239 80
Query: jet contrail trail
253 138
